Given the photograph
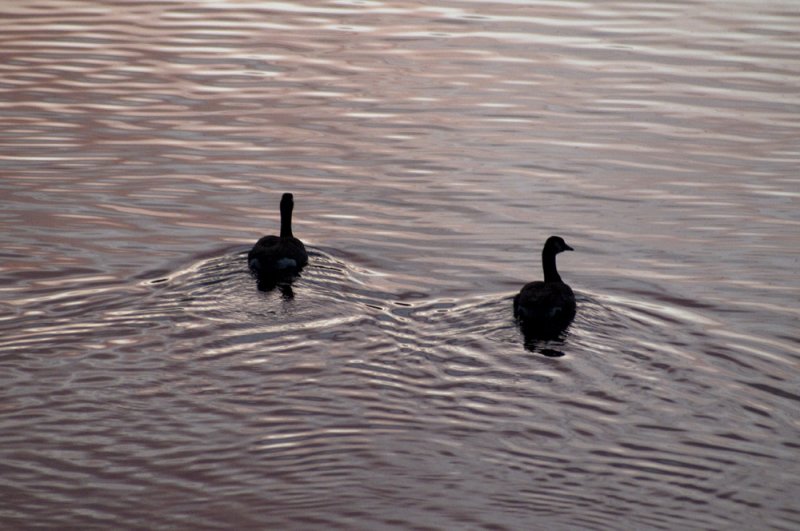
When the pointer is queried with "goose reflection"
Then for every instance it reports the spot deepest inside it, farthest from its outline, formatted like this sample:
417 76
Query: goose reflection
284 286
546 347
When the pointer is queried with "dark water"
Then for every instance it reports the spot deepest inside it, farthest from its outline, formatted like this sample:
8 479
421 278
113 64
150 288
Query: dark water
147 383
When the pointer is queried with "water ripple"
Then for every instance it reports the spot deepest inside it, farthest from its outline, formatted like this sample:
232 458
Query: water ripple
148 382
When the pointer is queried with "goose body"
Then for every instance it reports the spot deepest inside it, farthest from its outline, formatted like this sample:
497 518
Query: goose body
278 256
547 306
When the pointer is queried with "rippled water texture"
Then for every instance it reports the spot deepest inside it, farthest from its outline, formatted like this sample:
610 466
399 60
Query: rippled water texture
145 381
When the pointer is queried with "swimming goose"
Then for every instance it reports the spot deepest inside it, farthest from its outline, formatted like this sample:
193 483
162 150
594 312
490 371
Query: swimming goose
549 306
278 256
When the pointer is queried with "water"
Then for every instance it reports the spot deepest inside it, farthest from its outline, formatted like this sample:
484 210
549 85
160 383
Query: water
431 149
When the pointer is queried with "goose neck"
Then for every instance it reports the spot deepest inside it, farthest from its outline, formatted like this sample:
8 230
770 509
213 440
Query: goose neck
286 221
549 266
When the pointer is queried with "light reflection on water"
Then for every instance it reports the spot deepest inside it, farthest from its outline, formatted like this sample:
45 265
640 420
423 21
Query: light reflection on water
431 150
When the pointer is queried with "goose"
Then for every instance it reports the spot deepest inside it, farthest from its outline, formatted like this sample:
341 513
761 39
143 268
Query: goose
278 256
546 306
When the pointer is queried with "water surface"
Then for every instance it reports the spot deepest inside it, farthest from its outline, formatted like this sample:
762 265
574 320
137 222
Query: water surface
147 382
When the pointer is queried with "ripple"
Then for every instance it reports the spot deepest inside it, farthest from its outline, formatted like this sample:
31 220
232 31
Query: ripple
431 149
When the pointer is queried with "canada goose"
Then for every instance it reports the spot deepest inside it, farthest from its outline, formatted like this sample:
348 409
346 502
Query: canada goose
548 306
278 256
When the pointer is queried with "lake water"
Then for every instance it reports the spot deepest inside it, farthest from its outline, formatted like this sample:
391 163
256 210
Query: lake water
432 147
